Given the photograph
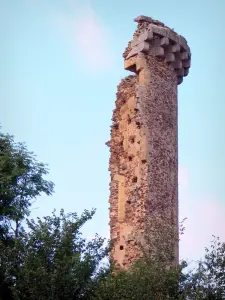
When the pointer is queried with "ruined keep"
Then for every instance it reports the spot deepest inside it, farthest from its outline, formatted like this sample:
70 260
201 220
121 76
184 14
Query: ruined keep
143 146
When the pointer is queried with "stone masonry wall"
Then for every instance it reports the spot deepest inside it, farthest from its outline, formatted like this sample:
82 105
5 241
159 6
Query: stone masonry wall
143 144
127 142
158 108
143 162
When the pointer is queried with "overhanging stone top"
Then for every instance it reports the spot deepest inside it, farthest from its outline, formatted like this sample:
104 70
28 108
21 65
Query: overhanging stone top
155 39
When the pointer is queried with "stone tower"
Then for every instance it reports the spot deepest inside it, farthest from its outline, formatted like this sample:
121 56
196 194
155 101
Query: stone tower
143 145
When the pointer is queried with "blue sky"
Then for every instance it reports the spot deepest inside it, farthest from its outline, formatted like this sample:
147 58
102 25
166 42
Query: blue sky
61 61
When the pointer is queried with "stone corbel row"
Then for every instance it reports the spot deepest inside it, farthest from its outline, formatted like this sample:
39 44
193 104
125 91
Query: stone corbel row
172 48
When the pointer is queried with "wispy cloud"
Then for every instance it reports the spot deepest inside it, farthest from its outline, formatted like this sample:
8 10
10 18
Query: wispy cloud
87 35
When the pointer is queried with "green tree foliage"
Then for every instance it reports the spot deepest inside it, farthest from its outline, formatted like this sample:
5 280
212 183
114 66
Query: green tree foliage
21 181
52 261
207 280
151 280
144 281
154 278
159 278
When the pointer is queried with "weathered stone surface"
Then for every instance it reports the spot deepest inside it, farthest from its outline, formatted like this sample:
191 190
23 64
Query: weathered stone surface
155 39
144 47
177 64
183 55
146 36
186 71
179 79
158 51
187 63
148 20
180 72
173 48
130 64
170 57
163 42
143 145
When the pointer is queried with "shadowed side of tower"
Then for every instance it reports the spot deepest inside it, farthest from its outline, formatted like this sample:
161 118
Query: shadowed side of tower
143 145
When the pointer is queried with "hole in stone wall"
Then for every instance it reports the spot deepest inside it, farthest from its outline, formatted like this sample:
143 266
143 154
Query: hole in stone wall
138 125
115 125
121 247
130 158
131 200
132 68
143 161
132 139
134 179
123 100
